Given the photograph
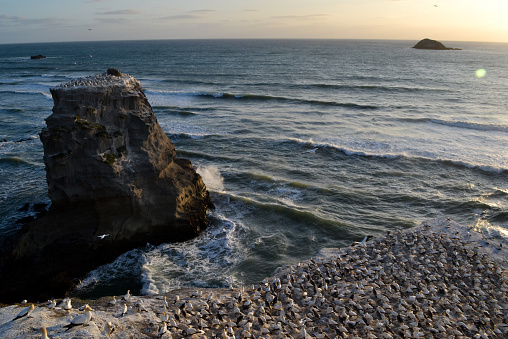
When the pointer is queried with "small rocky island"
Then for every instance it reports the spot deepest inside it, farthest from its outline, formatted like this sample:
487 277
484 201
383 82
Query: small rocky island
432 44
115 184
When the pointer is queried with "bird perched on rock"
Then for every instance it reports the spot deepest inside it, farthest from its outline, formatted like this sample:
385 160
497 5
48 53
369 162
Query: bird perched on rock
66 304
112 302
82 319
51 304
44 332
108 329
124 310
25 312
127 297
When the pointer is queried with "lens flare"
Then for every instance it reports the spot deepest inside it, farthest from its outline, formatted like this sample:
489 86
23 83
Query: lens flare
480 73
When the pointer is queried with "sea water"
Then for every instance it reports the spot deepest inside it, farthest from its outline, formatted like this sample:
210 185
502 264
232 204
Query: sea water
303 144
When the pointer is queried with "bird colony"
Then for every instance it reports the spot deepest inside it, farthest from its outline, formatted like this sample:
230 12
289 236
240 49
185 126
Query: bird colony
406 284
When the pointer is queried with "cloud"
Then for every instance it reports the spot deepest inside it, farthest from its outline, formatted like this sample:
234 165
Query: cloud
121 12
203 11
302 17
191 15
16 20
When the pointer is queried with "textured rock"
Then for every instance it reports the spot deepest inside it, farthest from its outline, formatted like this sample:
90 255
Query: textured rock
110 170
432 44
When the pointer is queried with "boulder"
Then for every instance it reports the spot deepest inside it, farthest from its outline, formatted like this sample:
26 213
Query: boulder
111 170
432 44
35 57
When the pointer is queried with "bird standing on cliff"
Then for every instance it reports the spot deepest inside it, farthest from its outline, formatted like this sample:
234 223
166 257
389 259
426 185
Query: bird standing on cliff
51 304
25 312
44 332
112 302
124 310
127 297
66 304
108 329
82 319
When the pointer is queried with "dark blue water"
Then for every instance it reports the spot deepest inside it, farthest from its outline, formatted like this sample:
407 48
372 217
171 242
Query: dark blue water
304 144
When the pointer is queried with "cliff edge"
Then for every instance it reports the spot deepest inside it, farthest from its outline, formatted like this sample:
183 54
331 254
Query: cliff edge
115 184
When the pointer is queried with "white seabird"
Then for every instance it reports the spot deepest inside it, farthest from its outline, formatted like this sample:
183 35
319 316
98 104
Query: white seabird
103 236
312 150
67 305
109 329
25 312
112 302
44 332
127 297
82 319
124 310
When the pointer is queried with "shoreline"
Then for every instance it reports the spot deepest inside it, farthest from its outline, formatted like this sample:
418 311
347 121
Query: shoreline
438 279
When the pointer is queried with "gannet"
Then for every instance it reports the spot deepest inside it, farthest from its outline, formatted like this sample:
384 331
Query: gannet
81 319
124 310
44 333
312 150
112 302
163 329
25 312
103 236
127 297
66 304
109 328
52 304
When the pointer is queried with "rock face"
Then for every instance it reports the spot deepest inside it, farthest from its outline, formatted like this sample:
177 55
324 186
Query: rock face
432 44
110 170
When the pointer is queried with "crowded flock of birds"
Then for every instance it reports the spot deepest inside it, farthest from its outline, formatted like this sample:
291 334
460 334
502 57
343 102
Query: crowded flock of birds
414 284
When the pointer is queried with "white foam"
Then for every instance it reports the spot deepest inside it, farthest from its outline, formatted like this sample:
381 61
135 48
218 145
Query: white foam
205 261
490 231
395 151
212 177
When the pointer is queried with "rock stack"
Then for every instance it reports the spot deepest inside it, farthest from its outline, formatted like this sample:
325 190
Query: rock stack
432 44
115 184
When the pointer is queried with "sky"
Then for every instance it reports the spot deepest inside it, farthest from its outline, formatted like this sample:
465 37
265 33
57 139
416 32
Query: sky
24 21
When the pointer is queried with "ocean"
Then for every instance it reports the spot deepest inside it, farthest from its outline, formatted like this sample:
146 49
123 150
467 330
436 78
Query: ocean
303 145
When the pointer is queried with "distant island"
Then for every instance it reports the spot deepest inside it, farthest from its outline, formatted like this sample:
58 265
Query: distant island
433 44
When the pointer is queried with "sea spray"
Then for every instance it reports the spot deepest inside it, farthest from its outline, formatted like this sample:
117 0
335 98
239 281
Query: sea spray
212 177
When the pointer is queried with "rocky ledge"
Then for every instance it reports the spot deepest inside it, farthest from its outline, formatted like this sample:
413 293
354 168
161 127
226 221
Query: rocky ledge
115 184
432 44
440 280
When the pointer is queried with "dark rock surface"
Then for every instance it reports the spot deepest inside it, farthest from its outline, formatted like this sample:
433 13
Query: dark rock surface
110 170
432 44
35 57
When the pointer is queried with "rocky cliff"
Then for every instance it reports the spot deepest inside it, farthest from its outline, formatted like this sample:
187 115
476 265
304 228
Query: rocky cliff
115 184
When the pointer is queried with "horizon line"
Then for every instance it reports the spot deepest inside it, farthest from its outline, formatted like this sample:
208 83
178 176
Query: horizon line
211 39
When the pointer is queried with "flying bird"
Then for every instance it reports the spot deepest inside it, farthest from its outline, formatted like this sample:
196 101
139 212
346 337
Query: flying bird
103 236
